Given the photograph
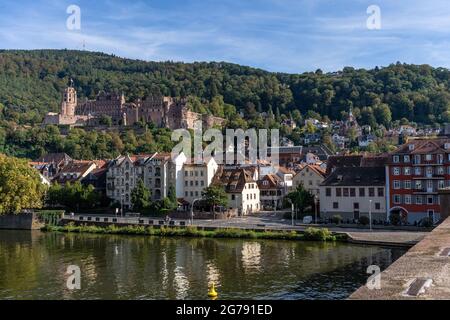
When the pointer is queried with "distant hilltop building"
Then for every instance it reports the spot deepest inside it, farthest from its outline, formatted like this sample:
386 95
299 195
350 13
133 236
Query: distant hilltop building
166 112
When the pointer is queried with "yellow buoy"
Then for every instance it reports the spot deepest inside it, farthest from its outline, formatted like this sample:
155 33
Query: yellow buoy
212 291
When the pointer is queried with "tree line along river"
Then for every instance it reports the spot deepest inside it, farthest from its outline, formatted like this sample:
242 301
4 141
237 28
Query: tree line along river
33 265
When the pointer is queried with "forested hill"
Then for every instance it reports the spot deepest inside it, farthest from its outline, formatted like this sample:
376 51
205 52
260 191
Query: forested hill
31 83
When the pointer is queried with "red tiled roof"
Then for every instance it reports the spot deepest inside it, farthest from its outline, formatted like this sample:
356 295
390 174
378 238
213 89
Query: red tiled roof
434 145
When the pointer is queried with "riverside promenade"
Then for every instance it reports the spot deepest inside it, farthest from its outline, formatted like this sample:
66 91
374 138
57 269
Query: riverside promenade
383 237
422 273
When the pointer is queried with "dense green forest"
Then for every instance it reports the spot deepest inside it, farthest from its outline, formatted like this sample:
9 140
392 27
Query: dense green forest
31 83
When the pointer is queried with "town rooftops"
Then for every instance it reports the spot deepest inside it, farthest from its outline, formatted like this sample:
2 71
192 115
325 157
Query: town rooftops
284 170
356 176
270 181
421 146
322 151
345 161
315 168
74 171
54 158
374 160
281 150
233 180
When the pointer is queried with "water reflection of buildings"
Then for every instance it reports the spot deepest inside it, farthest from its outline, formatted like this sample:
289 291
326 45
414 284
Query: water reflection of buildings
251 256
212 273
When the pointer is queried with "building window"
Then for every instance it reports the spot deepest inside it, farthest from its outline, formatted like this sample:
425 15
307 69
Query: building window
417 171
406 158
380 192
407 171
428 157
335 205
377 206
396 184
352 192
430 200
407 199
430 185
407 184
429 171
328 192
338 192
396 159
345 191
418 185
371 192
441 184
233 197
396 171
440 170
397 199
362 192
418 199
417 159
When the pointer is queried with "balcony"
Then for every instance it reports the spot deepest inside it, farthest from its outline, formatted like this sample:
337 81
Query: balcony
425 191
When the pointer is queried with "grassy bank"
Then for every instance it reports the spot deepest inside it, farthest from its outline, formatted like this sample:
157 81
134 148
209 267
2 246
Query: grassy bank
311 234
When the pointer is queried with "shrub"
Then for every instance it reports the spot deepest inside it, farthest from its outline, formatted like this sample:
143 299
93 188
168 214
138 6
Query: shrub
318 234
336 219
426 222
364 220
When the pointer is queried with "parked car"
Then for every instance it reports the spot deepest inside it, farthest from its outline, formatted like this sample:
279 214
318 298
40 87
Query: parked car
307 219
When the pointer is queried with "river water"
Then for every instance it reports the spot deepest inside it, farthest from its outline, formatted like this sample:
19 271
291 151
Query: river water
33 265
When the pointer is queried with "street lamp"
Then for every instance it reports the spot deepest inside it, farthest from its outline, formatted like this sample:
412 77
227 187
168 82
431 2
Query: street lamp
292 210
292 213
121 204
315 208
370 215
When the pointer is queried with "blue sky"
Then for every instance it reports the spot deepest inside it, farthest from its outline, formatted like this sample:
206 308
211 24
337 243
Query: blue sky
276 35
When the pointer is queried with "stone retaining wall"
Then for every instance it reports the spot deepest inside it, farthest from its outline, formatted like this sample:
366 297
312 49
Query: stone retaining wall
23 221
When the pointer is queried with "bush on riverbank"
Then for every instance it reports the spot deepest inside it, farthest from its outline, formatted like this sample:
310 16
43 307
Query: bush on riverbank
311 234
318 234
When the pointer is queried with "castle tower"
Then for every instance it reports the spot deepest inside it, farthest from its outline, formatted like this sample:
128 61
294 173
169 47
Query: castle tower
69 101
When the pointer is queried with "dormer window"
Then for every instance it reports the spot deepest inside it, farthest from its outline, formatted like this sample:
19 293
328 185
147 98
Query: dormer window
411 147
